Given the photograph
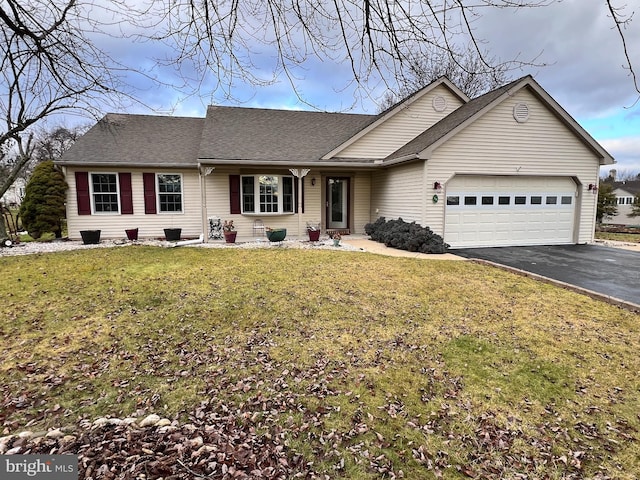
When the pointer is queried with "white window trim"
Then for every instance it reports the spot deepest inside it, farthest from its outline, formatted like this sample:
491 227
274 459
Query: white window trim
479 206
92 197
256 195
158 193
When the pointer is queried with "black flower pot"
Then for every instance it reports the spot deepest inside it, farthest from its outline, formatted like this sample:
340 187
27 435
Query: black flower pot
90 237
172 234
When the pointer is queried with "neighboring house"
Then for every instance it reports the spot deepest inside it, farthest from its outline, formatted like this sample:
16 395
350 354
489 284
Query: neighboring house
15 194
510 167
625 193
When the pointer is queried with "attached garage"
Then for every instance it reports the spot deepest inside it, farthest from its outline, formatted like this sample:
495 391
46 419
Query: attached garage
483 211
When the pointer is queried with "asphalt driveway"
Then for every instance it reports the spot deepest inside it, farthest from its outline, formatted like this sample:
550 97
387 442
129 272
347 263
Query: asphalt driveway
611 272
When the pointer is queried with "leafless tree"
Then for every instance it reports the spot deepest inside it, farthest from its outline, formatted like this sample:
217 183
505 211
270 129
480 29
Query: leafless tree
467 71
376 38
49 64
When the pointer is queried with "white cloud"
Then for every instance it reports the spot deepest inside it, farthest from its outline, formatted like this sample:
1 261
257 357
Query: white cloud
626 151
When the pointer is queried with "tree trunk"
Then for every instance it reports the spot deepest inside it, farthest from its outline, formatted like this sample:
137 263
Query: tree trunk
3 231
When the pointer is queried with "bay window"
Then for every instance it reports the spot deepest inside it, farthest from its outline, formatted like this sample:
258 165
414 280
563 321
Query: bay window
267 194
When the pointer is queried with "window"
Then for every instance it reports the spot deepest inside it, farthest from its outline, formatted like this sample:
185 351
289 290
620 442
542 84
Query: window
267 194
552 200
520 200
104 192
487 200
502 200
248 195
170 192
536 200
620 200
470 200
629 200
566 200
453 200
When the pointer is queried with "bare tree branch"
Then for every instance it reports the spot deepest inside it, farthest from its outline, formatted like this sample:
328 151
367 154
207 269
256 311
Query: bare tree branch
622 22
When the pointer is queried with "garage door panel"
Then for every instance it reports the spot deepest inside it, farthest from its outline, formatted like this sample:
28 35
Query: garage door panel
509 211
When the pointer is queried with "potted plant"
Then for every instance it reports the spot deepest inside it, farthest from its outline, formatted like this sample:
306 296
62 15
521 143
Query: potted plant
229 231
313 230
276 234
336 237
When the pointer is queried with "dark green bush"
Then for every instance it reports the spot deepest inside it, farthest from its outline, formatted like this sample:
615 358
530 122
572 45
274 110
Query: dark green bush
405 236
43 207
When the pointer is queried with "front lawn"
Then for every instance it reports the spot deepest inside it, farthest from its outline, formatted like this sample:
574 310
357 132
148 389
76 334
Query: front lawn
348 364
620 237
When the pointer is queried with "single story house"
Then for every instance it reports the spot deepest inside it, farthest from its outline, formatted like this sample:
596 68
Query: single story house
510 167
626 193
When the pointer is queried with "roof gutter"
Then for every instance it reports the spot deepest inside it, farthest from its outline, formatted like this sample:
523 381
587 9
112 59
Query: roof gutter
287 163
124 164
405 158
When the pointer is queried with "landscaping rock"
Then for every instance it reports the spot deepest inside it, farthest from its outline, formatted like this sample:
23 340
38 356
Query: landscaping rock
150 420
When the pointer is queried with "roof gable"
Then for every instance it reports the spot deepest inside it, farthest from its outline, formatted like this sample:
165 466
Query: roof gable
398 109
476 108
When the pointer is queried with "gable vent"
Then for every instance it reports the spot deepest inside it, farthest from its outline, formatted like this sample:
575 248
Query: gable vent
521 112
439 103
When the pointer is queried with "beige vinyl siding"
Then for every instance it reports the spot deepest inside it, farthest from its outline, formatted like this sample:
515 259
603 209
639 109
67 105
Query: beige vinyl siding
361 205
496 144
217 198
149 226
404 126
399 192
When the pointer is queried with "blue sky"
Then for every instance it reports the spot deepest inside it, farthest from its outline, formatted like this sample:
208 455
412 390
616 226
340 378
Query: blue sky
575 39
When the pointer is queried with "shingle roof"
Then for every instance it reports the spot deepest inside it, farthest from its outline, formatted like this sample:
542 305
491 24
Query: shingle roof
450 122
631 186
253 134
138 140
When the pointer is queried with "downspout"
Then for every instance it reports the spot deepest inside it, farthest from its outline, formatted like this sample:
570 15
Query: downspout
189 242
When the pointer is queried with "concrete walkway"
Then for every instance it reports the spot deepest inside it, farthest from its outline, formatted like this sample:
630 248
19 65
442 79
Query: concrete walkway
381 249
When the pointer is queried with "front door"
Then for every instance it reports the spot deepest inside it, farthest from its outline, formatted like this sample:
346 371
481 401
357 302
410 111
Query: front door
337 203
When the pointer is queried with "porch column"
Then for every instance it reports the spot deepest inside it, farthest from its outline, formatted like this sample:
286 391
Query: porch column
204 172
300 174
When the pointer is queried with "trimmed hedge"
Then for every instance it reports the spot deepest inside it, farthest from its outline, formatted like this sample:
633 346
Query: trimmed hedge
405 236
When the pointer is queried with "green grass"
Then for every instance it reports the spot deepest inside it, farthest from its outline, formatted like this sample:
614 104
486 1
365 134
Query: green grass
620 237
369 364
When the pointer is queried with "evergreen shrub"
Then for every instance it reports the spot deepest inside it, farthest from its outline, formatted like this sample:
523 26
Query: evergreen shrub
405 236
43 207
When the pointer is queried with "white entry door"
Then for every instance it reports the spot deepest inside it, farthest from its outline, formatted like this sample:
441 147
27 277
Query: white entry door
337 203
488 211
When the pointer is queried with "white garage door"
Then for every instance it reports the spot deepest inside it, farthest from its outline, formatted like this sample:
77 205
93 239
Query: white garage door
484 211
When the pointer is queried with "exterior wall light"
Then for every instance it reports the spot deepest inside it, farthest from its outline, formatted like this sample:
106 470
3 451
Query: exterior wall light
437 186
